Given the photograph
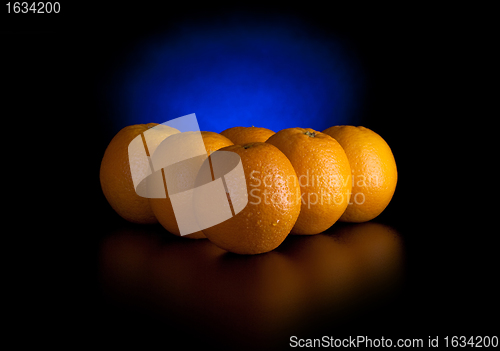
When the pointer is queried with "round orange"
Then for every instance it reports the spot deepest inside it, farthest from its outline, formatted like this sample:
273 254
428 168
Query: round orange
374 172
162 207
323 172
115 175
245 135
273 202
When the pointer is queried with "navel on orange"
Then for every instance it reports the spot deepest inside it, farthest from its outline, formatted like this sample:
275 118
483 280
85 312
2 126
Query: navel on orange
374 172
245 135
273 202
323 172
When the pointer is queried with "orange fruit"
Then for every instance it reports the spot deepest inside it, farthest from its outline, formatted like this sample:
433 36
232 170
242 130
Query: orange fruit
162 207
273 202
245 135
323 172
215 141
374 172
115 174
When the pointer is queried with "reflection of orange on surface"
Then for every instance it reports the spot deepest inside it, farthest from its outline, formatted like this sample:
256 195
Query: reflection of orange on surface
346 267
262 293
325 267
162 207
259 298
378 249
230 297
245 135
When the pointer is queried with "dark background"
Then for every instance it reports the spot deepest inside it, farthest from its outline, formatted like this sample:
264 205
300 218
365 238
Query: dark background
414 59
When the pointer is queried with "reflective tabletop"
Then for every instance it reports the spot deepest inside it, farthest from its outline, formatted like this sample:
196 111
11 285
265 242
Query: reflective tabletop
260 300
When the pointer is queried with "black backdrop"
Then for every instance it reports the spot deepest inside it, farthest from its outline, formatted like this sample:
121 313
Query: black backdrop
53 66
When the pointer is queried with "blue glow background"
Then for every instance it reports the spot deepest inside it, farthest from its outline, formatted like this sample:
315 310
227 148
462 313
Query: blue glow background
275 72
